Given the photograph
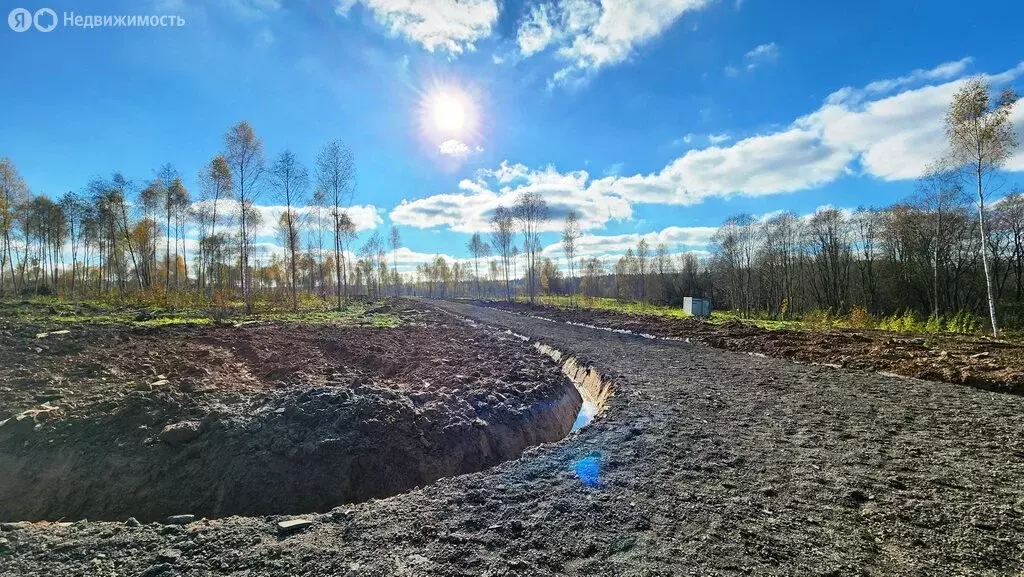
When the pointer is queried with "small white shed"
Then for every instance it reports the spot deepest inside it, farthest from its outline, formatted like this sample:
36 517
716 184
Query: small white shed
697 307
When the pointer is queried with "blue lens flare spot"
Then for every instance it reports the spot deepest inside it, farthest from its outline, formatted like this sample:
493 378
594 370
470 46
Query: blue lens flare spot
588 469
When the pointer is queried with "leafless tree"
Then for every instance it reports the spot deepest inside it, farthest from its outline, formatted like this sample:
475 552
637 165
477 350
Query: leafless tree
503 239
243 151
531 211
478 249
291 180
336 175
395 242
216 184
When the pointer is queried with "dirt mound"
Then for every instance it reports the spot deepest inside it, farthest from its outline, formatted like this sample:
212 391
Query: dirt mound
975 361
262 418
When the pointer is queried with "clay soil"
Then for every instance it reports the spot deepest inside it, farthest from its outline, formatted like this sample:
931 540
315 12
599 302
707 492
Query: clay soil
976 361
112 421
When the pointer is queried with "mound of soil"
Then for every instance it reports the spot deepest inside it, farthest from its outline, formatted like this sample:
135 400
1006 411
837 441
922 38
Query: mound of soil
112 421
974 361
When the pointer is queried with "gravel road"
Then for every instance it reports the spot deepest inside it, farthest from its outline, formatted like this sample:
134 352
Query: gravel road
707 462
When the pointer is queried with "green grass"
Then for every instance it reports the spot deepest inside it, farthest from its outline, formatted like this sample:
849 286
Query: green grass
48 310
610 304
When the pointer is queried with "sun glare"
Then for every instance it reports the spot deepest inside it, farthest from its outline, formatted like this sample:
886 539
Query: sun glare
448 113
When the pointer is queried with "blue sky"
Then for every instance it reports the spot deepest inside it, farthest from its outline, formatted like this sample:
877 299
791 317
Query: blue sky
651 117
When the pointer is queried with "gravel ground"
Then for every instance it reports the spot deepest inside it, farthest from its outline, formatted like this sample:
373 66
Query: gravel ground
707 462
974 360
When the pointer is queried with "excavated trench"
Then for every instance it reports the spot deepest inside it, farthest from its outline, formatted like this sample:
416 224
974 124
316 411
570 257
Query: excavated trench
293 458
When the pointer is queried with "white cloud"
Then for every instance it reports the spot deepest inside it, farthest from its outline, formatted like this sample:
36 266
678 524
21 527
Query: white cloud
590 35
761 54
456 148
470 209
1016 162
890 137
719 138
451 25
941 72
780 162
896 137
536 30
676 238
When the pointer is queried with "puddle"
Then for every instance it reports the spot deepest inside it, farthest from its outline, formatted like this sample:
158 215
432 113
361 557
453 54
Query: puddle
587 413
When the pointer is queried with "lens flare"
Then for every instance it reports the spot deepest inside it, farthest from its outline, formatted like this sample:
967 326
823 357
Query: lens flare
448 113
450 120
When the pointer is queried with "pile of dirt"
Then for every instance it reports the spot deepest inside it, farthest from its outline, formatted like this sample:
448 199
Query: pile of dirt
976 361
114 421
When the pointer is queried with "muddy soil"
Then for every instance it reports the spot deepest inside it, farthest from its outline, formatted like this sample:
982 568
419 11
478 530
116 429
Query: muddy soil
708 462
977 361
111 421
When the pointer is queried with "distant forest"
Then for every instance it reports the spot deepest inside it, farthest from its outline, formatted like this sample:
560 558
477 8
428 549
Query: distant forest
955 248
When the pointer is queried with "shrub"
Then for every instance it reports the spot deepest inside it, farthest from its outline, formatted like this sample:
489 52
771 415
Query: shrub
905 322
819 317
860 318
963 322
935 324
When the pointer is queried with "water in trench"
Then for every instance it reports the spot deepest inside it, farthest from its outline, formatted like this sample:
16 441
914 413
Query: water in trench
587 412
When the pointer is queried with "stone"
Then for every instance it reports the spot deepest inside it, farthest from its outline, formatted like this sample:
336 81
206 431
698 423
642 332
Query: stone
159 383
179 519
158 569
7 527
132 522
180 433
48 395
168 556
293 525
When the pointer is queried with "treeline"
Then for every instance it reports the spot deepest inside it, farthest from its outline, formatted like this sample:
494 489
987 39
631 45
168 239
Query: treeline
157 238
951 251
954 248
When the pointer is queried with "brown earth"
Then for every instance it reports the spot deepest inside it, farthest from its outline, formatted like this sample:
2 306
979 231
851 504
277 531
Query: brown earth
707 462
111 421
976 361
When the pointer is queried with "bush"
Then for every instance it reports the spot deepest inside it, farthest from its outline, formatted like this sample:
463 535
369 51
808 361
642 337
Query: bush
819 317
905 322
860 318
935 324
963 322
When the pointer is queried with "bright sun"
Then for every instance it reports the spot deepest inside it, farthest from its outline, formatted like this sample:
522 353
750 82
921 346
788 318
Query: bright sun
448 113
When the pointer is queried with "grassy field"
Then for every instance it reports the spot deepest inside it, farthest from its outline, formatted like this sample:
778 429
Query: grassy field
960 323
313 310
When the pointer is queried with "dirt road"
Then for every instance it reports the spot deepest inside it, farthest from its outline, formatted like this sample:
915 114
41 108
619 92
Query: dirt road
707 462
